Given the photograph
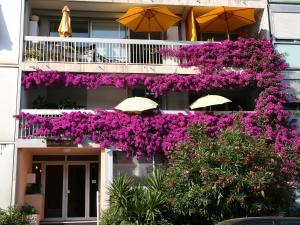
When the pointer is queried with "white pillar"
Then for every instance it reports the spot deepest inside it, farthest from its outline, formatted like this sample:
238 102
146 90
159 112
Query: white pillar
106 171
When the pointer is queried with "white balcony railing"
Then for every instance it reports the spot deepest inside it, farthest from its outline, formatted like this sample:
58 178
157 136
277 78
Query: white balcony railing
26 131
95 50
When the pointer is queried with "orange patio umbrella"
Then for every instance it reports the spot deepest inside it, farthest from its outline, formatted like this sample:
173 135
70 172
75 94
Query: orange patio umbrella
226 19
152 19
65 29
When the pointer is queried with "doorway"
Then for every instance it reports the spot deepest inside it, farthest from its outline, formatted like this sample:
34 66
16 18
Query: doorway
70 190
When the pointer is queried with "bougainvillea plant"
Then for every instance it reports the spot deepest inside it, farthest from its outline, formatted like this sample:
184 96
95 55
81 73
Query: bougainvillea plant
222 65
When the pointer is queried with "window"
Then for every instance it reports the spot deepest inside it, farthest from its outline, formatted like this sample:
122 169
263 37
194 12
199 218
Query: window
136 168
241 100
146 36
283 24
291 52
142 92
286 222
257 222
79 28
108 29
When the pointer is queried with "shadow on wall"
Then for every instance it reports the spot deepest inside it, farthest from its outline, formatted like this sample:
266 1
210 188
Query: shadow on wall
5 41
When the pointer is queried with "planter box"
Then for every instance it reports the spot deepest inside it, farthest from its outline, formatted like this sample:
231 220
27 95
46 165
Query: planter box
33 219
37 201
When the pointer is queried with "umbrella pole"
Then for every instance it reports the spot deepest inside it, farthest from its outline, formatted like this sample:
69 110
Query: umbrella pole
149 37
227 28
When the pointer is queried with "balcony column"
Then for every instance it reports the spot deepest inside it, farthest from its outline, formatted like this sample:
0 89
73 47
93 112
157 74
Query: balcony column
106 177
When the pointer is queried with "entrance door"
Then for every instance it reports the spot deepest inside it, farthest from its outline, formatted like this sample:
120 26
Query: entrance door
76 191
70 190
54 191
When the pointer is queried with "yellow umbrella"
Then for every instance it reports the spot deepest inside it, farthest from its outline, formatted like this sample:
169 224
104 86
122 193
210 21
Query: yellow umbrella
136 104
152 19
226 19
209 100
191 31
65 29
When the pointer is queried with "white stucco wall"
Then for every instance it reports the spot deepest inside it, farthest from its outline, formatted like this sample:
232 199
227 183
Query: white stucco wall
8 103
6 174
10 25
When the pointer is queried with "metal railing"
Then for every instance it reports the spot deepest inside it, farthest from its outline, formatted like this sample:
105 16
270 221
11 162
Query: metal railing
27 131
96 50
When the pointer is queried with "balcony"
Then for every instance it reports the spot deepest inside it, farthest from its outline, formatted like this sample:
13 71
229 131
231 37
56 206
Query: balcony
101 55
26 131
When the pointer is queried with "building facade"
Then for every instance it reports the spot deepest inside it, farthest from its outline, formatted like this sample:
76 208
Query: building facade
62 178
283 16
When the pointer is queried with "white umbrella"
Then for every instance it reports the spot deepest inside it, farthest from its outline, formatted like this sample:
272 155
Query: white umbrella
209 100
136 104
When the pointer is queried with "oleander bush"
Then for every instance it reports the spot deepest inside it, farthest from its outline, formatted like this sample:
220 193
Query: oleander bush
210 179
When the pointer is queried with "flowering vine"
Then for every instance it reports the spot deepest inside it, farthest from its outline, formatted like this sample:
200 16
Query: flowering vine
224 65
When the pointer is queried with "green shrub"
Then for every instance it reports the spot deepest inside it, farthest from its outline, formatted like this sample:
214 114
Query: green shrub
27 210
132 204
233 175
12 216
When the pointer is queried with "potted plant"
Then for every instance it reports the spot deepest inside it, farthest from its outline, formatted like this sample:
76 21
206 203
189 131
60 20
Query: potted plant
31 215
32 54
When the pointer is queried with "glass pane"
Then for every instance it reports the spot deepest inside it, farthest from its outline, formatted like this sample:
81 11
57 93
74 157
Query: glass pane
79 28
108 29
295 222
131 166
76 191
82 157
48 158
255 222
291 53
54 191
94 168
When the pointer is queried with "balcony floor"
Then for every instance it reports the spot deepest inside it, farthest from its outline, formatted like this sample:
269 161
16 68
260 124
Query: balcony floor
106 68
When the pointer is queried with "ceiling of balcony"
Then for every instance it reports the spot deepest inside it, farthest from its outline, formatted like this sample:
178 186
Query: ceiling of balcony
81 6
92 6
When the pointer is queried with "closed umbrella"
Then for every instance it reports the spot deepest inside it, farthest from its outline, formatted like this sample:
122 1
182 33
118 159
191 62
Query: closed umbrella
65 29
209 100
151 19
136 104
191 31
226 19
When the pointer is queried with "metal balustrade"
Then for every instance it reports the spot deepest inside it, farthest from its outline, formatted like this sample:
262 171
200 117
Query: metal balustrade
96 50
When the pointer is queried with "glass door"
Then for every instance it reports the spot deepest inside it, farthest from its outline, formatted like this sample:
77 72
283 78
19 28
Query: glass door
76 190
109 52
70 190
54 191
94 183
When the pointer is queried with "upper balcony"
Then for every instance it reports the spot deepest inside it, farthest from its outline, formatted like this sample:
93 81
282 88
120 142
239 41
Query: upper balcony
99 44
101 55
